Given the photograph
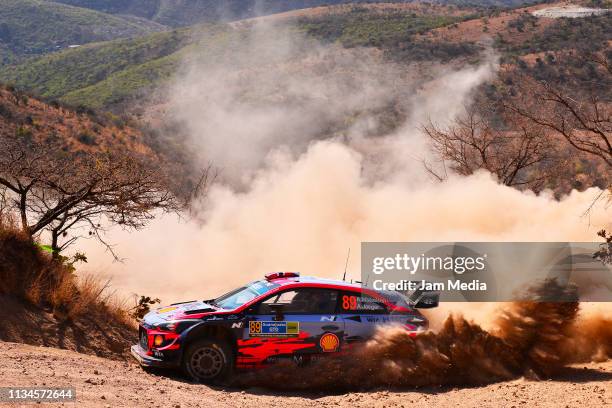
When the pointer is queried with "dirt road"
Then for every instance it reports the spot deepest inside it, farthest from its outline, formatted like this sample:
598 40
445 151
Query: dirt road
108 383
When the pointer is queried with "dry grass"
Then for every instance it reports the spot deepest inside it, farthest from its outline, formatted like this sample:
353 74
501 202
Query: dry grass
32 275
91 294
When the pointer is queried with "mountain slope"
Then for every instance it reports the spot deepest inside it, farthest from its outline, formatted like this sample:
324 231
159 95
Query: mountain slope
188 12
34 27
24 116
105 74
58 74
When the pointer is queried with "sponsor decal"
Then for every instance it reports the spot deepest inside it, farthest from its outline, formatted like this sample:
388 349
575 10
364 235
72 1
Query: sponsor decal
377 319
328 318
329 343
196 306
262 329
236 325
166 309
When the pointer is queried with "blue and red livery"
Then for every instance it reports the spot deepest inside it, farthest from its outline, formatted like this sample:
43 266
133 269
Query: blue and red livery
283 316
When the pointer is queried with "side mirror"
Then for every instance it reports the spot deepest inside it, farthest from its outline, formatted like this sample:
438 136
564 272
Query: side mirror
425 300
277 309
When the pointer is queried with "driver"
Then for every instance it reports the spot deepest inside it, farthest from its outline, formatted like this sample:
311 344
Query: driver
310 300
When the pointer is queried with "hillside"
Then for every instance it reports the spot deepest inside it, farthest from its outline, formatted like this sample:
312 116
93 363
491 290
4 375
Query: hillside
59 74
24 116
25 29
111 74
104 75
519 32
44 302
188 12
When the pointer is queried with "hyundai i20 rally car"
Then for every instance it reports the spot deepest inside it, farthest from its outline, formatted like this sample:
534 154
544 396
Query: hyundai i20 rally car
283 316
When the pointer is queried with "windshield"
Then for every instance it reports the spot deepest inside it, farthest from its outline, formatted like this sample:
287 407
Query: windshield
240 296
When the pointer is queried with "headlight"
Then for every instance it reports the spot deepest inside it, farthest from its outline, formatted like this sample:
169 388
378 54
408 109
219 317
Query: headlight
177 326
171 326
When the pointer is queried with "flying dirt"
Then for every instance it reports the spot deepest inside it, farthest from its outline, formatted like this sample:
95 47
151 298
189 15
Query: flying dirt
108 383
535 341
531 339
291 197
317 146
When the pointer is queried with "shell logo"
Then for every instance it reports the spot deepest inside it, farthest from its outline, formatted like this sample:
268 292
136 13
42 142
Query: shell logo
329 342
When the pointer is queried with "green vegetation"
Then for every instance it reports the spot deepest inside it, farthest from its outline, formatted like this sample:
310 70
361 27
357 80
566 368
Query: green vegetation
141 8
587 34
105 74
560 47
394 32
360 27
34 27
108 74
436 51
178 13
58 74
123 85
188 12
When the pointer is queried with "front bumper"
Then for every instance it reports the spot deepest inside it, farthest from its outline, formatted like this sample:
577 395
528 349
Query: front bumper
149 361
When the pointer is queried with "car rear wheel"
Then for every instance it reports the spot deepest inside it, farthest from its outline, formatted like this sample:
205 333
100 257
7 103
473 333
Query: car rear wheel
207 361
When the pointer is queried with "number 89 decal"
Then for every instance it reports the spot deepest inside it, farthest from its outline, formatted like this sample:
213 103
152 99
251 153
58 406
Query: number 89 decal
349 302
254 327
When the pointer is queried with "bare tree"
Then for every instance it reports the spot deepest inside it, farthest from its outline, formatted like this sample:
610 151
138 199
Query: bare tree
579 111
474 141
70 193
604 254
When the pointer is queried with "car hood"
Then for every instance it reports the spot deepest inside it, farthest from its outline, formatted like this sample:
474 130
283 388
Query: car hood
180 311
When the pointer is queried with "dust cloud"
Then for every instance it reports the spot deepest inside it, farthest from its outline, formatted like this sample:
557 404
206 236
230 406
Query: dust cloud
532 339
312 163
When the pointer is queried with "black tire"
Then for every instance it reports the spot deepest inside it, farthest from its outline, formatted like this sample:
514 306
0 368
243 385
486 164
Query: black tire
208 361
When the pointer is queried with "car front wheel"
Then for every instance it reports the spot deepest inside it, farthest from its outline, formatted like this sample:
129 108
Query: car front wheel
207 361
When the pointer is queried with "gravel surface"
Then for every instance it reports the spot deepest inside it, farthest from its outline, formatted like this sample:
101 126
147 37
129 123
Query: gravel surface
102 382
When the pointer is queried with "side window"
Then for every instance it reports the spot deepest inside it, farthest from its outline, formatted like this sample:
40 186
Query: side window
361 303
302 301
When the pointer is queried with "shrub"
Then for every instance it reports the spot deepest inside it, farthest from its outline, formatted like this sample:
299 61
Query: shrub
24 271
30 273
87 139
5 111
23 132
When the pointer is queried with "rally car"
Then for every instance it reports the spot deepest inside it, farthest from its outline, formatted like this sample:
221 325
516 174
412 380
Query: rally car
283 316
